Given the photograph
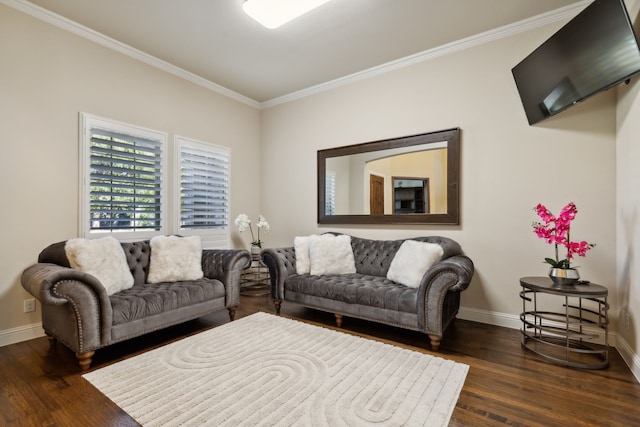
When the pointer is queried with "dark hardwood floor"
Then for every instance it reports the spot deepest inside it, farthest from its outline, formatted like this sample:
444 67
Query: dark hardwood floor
42 385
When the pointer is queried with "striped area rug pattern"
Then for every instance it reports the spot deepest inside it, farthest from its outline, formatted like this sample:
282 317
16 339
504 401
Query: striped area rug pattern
266 370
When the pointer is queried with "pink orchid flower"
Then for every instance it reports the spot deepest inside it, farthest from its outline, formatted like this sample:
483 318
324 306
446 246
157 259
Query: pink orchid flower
555 230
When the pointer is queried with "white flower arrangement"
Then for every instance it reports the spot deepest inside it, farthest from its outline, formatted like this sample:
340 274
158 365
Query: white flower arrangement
243 222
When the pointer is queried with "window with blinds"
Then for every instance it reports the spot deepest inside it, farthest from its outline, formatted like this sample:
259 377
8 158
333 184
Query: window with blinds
135 186
204 185
124 178
126 182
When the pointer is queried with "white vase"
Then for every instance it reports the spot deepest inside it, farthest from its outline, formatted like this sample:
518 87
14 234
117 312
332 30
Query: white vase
255 250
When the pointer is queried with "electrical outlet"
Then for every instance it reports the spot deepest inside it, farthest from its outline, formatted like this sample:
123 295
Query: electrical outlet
29 305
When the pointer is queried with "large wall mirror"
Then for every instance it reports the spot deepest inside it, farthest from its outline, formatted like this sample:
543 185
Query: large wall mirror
408 180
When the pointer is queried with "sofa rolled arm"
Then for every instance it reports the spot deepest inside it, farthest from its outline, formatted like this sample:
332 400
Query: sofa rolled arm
56 285
451 274
226 265
462 265
41 281
281 263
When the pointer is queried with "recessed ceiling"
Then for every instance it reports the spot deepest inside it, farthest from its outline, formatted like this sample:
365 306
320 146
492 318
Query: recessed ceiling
215 40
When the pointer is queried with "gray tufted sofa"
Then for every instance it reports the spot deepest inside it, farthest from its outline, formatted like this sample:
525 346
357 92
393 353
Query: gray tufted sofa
77 311
369 295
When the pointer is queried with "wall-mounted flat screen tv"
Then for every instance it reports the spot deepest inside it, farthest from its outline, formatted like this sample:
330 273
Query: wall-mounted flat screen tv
594 51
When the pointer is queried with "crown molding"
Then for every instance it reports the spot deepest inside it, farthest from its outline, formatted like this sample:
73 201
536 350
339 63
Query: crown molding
561 14
101 39
38 12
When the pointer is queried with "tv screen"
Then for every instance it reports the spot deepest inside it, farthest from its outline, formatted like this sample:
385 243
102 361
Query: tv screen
593 52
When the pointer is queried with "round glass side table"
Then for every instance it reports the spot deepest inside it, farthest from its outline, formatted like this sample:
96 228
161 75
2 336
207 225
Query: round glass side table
573 331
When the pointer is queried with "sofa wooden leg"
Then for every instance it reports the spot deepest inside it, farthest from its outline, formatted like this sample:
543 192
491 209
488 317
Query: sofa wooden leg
338 320
232 313
52 340
277 303
435 341
84 359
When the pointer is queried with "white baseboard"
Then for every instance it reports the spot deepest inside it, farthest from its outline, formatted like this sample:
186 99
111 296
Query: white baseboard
21 333
631 359
490 317
513 321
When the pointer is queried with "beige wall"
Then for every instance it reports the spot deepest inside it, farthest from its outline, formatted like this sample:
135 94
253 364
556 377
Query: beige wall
48 76
628 211
507 166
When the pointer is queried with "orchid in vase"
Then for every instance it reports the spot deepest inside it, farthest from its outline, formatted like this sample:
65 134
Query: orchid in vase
243 222
556 231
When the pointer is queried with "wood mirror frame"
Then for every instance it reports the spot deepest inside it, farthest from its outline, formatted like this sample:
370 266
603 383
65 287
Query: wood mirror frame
451 214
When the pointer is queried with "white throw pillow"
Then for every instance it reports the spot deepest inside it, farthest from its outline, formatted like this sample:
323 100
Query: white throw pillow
412 260
301 247
330 254
175 259
102 258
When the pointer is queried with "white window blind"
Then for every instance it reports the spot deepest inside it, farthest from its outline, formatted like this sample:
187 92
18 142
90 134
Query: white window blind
204 185
123 178
330 193
125 182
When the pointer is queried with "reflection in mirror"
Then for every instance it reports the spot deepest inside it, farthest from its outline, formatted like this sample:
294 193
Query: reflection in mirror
411 195
403 180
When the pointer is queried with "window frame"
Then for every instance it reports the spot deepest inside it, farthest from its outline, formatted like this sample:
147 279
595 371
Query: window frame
89 122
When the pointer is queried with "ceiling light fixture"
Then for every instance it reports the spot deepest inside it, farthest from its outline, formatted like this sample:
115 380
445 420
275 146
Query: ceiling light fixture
274 13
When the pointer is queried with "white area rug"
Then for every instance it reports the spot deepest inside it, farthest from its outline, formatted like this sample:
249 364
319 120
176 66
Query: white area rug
265 370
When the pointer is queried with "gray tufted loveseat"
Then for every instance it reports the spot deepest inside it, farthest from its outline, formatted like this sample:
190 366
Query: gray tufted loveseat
77 311
368 294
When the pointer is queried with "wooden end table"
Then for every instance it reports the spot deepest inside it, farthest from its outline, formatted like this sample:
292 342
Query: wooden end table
565 336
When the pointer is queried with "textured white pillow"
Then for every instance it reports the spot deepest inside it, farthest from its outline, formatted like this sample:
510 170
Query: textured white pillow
102 258
301 247
175 259
330 254
412 260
